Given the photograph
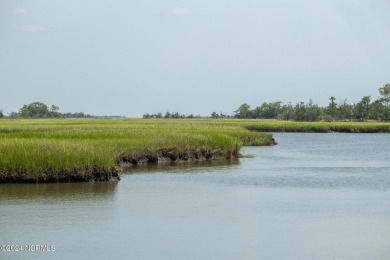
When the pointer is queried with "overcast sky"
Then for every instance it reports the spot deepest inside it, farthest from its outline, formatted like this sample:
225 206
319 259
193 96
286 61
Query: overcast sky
194 56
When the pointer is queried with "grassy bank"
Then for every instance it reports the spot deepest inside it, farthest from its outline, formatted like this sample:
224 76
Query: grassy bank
69 150
317 127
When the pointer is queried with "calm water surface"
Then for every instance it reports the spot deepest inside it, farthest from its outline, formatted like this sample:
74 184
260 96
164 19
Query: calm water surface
313 196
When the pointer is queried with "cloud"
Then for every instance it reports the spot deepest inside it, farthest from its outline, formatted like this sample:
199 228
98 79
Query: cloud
32 28
180 11
19 11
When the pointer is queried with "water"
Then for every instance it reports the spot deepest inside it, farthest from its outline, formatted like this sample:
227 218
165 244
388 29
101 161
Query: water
313 196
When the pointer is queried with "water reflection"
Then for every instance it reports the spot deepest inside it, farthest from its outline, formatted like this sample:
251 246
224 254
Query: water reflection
182 167
58 191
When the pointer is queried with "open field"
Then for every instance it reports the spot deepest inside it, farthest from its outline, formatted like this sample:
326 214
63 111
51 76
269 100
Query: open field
63 150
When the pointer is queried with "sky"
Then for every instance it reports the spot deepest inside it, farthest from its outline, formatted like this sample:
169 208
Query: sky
192 56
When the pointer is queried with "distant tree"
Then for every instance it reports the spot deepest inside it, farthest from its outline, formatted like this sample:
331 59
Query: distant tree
267 110
214 115
306 112
385 94
376 110
223 115
286 112
385 99
366 105
300 113
362 109
332 108
332 101
79 115
175 115
244 111
54 108
313 111
346 111
146 115
54 111
1 113
14 115
360 114
34 110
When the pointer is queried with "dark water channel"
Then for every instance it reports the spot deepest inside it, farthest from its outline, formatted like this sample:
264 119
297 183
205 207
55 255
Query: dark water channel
313 196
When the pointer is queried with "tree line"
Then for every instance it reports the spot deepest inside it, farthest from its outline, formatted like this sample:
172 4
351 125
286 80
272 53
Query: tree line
365 109
177 115
41 110
174 115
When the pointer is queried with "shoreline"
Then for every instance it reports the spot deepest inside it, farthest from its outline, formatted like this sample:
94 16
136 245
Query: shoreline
318 127
97 150
95 173
91 167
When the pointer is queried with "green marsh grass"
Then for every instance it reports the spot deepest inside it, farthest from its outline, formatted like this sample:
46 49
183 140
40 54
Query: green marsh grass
66 150
317 127
63 150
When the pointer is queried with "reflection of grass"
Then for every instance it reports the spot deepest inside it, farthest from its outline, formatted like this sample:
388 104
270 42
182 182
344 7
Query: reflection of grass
91 149
59 192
